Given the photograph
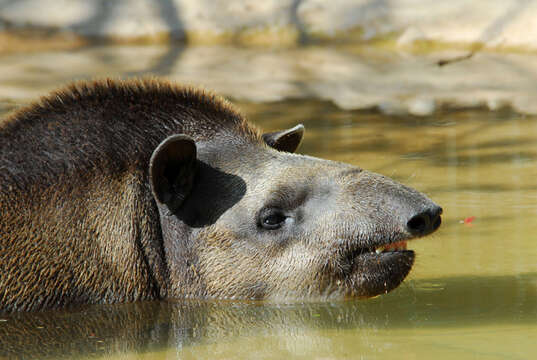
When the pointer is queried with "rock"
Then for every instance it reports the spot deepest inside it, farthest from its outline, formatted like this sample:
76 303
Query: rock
410 36
489 23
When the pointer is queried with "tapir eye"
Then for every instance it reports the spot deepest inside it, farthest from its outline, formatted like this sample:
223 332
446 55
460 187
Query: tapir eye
271 219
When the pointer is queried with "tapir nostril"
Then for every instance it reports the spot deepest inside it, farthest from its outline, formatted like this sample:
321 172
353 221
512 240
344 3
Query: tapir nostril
436 222
419 223
425 222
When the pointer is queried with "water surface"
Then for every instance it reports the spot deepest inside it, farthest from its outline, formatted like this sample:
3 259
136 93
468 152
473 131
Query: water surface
471 295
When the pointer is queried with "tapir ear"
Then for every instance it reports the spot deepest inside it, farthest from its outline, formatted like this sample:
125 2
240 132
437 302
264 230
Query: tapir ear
172 169
285 140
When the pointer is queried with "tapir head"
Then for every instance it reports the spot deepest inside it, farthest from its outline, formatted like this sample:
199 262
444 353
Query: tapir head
252 220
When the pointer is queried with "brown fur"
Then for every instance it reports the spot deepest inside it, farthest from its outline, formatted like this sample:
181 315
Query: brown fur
78 224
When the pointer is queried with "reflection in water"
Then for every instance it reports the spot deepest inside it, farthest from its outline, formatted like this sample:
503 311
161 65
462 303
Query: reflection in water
430 304
472 293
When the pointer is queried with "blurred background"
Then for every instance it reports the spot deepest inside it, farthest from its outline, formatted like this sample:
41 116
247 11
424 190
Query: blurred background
359 54
440 95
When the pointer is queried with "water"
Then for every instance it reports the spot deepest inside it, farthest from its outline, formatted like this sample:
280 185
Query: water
471 295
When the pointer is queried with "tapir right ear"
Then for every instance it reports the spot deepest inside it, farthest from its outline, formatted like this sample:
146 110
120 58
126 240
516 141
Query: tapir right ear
285 140
171 170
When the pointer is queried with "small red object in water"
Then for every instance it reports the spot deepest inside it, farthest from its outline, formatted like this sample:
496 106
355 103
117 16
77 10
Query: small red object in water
469 220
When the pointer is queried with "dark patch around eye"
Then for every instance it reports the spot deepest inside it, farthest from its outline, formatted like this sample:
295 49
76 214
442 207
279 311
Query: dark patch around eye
288 198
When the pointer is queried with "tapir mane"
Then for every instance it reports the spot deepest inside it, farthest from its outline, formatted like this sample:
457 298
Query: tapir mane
107 123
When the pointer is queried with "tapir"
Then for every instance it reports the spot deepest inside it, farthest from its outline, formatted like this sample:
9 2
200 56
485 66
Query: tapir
125 190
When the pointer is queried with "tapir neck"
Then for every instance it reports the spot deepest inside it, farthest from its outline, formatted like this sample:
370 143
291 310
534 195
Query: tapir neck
181 262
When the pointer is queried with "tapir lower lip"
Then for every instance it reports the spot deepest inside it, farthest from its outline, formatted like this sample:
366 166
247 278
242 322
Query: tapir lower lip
373 274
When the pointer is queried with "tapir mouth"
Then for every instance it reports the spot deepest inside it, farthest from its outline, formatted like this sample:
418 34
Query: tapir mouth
375 270
378 264
378 249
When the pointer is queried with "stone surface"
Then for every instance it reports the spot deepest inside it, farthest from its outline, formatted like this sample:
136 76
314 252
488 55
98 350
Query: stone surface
390 81
491 23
